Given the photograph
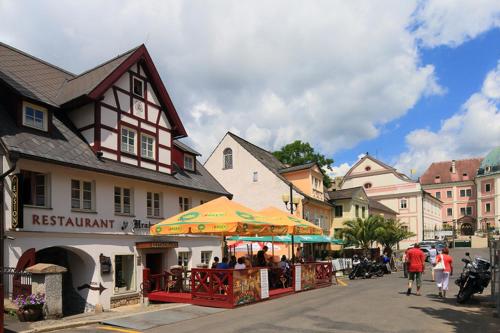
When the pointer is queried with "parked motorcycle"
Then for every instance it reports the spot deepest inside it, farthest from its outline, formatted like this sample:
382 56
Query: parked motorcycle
475 276
360 268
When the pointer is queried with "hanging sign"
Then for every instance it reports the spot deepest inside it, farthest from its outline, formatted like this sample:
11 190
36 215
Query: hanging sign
17 205
264 283
298 277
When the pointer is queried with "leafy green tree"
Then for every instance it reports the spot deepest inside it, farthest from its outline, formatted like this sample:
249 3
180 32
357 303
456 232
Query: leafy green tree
391 233
298 153
363 232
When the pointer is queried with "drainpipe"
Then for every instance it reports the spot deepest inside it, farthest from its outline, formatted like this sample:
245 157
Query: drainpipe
423 224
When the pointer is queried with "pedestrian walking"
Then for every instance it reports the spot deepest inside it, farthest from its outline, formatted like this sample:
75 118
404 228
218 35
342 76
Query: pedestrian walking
415 259
432 258
443 271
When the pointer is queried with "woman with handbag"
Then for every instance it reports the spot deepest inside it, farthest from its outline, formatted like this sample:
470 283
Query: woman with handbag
443 270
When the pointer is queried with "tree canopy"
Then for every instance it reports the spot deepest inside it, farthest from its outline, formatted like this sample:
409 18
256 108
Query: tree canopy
298 153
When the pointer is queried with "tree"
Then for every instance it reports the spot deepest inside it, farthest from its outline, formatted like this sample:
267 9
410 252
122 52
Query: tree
298 153
391 233
363 232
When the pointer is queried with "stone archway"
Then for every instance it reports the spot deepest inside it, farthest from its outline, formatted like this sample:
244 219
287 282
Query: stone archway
466 229
80 266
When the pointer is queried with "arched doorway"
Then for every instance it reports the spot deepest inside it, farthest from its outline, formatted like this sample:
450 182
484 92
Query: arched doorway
80 268
466 229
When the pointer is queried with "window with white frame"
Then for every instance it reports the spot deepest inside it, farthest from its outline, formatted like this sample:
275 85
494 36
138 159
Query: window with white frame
35 116
403 204
438 195
147 146
188 162
183 258
124 273
206 256
227 158
82 194
138 87
35 188
123 200
153 204
128 141
184 204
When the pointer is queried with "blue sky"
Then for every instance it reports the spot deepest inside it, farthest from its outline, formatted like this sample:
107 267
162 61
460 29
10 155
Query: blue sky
460 71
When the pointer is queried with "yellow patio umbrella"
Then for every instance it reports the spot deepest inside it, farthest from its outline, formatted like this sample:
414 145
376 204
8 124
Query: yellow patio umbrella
220 216
295 225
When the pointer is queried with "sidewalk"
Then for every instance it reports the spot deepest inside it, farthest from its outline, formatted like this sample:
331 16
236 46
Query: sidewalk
13 325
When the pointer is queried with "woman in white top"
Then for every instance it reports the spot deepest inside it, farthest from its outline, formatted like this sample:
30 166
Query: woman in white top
432 258
240 264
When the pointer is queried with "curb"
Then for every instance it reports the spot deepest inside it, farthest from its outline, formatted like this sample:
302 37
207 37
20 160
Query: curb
94 321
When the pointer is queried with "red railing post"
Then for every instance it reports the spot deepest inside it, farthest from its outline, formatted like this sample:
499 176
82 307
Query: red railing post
146 284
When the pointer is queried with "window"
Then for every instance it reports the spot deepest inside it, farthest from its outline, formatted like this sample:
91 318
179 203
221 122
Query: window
124 273
368 168
449 211
487 187
206 256
147 146
255 177
466 210
368 185
123 200
228 158
462 193
35 188
35 116
357 210
469 211
81 195
188 162
403 204
184 204
405 228
468 192
339 211
487 207
363 210
183 259
438 195
138 87
449 194
153 204
437 178
128 141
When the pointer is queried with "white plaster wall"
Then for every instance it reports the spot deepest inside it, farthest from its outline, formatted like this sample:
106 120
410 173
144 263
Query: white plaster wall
153 113
124 82
109 139
129 120
109 98
267 191
109 117
163 120
165 156
124 101
89 136
152 96
148 127
164 137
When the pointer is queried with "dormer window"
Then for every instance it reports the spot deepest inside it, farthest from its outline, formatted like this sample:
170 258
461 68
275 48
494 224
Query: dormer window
188 162
35 116
138 87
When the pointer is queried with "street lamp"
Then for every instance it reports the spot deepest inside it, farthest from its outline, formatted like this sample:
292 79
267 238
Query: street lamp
291 203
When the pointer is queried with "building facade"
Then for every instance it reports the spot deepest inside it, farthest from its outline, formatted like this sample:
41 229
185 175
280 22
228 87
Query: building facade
453 182
488 191
91 162
419 211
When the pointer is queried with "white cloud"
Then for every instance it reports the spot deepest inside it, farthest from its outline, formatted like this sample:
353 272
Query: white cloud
451 22
471 132
339 170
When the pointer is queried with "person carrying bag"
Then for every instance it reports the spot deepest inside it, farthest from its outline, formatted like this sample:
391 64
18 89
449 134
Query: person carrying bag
442 271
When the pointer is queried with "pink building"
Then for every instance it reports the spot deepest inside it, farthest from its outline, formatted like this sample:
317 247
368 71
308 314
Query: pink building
453 182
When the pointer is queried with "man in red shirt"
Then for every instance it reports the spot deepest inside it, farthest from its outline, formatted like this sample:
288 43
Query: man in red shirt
415 259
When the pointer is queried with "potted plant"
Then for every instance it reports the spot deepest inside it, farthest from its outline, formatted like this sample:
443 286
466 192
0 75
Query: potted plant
30 308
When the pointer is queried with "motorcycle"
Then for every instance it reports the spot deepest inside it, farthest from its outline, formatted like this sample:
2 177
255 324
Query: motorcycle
360 268
475 276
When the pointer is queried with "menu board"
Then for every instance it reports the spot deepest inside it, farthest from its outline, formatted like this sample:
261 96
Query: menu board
246 286
298 277
264 283
308 276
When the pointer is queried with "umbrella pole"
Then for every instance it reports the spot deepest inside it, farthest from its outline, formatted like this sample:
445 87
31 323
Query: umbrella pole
293 250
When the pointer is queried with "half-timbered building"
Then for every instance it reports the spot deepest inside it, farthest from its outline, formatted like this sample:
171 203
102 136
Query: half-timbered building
88 163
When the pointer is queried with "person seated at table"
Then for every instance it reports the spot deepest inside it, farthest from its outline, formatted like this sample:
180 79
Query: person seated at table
232 262
240 264
283 264
261 257
215 263
224 264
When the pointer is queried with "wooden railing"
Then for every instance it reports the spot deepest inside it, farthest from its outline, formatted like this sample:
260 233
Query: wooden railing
212 284
165 281
324 273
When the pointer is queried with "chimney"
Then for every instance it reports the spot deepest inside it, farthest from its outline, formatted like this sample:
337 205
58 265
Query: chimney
453 166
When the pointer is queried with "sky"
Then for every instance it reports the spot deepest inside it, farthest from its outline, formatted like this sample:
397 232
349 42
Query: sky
410 82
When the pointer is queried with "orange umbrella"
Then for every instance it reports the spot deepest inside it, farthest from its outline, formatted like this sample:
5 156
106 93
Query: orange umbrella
220 216
295 225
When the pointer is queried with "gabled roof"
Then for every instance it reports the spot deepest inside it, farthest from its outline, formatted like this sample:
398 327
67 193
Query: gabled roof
374 204
182 146
63 146
347 193
389 169
31 77
444 172
270 162
299 167
491 162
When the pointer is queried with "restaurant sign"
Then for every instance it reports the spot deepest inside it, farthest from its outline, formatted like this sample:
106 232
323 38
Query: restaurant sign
17 205
157 245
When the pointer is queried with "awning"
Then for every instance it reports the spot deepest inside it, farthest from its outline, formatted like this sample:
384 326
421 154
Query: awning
288 239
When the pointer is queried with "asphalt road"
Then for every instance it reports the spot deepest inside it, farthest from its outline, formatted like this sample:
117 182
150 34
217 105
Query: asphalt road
375 305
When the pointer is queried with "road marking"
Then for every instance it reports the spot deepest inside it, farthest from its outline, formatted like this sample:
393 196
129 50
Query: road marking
341 282
117 329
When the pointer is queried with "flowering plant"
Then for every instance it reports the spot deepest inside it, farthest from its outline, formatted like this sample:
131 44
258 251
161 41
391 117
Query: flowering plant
30 300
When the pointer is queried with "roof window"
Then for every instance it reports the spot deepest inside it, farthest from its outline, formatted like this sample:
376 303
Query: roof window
35 116
138 87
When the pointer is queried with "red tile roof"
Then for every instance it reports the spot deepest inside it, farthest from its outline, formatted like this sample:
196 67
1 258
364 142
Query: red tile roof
465 170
